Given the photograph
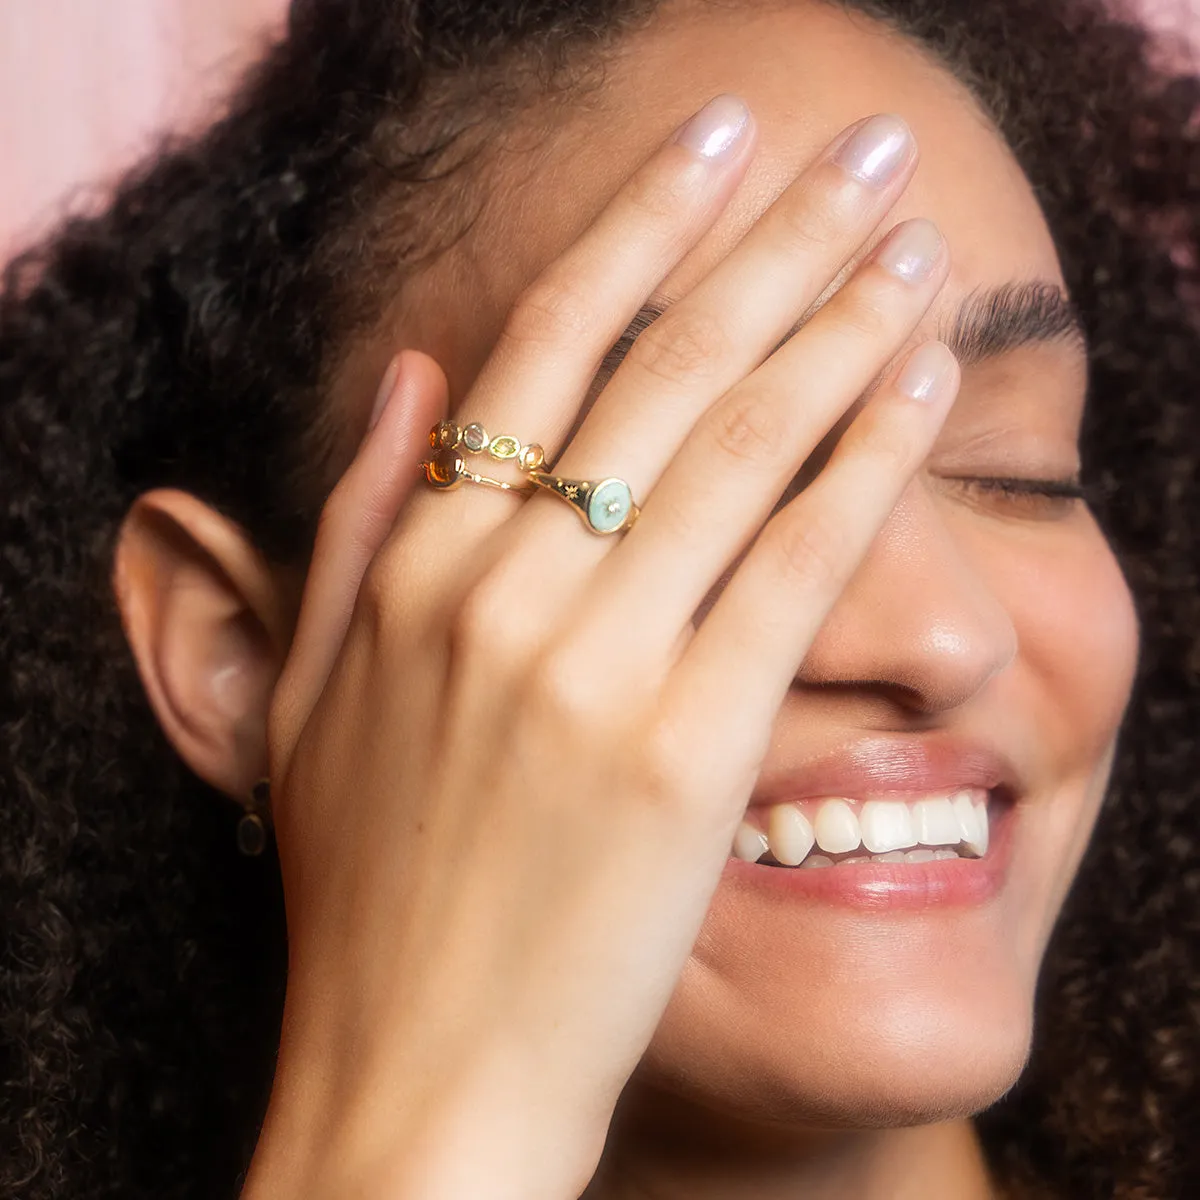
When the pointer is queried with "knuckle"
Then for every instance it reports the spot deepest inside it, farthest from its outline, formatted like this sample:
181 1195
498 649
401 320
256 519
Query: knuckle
887 448
666 767
492 634
867 316
332 517
807 227
567 695
749 426
658 196
811 552
550 310
681 348
379 592
482 625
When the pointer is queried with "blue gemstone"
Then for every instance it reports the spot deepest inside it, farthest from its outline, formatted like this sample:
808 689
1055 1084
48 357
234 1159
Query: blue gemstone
609 505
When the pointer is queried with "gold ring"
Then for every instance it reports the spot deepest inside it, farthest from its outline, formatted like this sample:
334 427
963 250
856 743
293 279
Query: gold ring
606 505
447 468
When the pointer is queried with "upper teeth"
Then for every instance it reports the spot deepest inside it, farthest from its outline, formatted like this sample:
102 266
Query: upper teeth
880 827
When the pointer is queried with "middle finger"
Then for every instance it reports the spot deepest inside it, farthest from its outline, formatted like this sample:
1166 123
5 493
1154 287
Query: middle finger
728 324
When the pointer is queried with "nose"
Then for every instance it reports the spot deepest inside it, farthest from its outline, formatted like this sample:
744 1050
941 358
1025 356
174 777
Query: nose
918 624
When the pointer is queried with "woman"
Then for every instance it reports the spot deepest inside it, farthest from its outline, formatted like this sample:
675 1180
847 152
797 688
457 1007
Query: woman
862 629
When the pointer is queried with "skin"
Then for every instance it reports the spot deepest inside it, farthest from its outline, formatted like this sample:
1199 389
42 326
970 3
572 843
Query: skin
806 1050
989 635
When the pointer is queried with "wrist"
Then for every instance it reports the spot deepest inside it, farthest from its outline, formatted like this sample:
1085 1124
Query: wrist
475 1126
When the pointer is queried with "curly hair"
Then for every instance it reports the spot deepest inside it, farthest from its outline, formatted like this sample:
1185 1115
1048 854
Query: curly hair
186 337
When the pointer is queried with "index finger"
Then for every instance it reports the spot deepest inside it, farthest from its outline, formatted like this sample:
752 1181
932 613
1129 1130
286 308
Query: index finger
567 320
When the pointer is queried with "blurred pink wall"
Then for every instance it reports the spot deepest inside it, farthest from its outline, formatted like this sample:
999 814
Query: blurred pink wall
85 85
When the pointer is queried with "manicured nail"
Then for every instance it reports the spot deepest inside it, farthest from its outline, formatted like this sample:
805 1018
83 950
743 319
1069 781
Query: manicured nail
717 129
386 387
877 150
911 250
929 373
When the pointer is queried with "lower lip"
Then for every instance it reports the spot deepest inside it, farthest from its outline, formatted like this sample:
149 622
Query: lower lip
875 887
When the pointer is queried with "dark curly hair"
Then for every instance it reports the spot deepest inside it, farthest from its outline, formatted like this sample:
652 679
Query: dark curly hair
187 337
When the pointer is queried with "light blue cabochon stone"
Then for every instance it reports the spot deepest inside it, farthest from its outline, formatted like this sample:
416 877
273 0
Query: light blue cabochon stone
612 491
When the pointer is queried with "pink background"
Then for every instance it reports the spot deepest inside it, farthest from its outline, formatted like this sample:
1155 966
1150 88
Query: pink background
86 84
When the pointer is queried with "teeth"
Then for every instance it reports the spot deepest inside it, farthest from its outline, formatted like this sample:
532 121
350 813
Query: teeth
789 834
836 827
935 828
748 844
972 823
886 825
935 822
979 845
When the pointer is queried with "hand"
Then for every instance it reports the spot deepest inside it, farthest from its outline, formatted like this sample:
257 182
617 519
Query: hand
507 765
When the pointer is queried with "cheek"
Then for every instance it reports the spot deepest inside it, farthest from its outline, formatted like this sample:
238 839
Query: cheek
1078 639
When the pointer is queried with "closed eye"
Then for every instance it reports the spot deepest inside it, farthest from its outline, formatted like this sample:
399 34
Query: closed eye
1044 499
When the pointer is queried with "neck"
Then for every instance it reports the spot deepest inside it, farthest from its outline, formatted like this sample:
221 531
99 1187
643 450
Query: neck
664 1150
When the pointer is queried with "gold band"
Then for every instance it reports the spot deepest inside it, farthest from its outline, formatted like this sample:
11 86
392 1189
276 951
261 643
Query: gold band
605 505
448 469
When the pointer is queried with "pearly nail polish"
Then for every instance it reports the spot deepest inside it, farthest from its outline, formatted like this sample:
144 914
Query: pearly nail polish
877 150
717 129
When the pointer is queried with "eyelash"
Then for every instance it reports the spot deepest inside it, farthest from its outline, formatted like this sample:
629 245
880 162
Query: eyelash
1038 497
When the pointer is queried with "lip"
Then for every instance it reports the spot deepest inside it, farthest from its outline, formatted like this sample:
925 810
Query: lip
888 766
896 767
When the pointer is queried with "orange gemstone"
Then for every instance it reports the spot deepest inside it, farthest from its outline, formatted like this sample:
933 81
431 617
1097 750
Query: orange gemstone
445 469
445 435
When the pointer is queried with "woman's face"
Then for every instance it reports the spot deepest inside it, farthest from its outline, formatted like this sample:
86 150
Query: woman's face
984 627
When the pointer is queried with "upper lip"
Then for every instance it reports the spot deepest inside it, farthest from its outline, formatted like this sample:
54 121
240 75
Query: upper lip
881 765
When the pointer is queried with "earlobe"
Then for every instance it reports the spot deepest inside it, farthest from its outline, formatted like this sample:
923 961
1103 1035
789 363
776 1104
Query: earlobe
209 623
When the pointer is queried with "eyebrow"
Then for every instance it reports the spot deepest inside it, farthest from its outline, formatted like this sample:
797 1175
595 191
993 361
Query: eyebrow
995 321
989 323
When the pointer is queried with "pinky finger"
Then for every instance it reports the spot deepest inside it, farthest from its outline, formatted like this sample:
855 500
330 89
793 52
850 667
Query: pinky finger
762 625
355 522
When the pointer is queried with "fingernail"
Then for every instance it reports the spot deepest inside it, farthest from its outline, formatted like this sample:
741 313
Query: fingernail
715 131
911 251
929 373
877 151
386 388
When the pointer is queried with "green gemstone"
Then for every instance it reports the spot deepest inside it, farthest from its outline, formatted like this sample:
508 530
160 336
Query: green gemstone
504 447
609 505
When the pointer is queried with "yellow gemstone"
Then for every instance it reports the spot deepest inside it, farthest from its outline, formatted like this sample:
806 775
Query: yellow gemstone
504 447
533 457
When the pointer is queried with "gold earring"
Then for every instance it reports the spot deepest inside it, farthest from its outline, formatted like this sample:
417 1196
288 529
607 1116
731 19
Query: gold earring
252 828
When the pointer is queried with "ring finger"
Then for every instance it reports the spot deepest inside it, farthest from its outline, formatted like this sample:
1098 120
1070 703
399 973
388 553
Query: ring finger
722 485
729 323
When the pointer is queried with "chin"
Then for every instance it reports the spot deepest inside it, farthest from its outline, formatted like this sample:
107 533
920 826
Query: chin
906 1058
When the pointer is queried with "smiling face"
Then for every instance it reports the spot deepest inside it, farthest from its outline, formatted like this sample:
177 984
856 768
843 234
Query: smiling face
983 622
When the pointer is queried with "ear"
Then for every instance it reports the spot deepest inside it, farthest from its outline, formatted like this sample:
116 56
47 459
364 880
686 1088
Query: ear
209 623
